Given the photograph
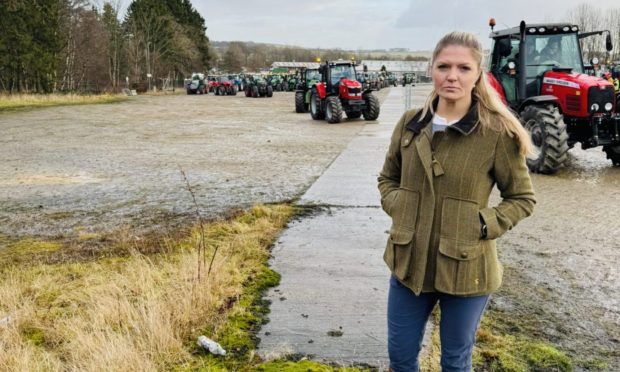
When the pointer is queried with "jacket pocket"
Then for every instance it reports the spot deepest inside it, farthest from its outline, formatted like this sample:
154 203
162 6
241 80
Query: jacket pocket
404 207
399 251
460 220
461 267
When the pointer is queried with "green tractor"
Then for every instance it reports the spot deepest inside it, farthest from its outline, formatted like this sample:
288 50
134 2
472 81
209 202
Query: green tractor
290 84
198 84
307 79
257 87
391 78
276 82
408 78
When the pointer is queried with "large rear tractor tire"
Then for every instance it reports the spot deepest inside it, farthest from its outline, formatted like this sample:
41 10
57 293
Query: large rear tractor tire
372 109
333 110
248 92
315 106
255 92
233 90
613 154
270 91
300 105
547 130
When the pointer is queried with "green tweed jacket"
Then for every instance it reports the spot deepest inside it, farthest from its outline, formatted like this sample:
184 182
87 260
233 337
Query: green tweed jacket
436 190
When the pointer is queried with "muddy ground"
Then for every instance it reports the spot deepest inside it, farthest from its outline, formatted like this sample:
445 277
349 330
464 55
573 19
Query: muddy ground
101 167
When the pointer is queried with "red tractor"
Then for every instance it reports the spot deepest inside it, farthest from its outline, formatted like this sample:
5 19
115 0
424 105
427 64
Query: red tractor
538 70
223 86
339 91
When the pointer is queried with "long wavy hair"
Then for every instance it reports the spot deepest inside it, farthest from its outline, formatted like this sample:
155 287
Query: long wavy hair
492 112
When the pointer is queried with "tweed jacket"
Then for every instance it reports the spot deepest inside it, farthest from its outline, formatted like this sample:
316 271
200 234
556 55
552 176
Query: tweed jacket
436 190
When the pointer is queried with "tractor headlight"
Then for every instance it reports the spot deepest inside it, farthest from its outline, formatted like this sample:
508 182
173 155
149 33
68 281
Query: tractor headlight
608 106
595 107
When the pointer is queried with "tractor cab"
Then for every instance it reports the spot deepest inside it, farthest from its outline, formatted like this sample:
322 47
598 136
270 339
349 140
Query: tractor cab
338 73
308 77
538 71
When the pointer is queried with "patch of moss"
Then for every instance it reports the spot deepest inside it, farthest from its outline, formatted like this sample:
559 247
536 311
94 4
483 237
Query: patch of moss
497 352
299 366
593 364
34 335
19 250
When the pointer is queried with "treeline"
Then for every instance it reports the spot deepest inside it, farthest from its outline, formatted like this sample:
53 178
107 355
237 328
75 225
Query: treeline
236 56
591 18
70 45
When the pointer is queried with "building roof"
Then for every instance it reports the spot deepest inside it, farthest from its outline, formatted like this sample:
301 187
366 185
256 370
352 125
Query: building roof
295 64
396 66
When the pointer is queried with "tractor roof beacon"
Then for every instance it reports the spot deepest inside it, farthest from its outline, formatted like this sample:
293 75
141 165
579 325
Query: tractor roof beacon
557 103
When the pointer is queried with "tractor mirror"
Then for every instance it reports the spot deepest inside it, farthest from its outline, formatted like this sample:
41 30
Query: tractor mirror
504 48
608 45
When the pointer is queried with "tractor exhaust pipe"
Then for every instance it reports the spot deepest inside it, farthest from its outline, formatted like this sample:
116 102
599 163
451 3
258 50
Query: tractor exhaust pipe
523 72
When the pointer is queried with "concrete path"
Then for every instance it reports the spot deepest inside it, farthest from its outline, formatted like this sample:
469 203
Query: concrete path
331 302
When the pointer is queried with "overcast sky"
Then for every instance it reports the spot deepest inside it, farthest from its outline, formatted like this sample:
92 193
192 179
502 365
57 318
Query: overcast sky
371 24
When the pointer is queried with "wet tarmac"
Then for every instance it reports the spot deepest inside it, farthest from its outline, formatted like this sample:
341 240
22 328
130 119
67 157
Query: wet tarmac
99 167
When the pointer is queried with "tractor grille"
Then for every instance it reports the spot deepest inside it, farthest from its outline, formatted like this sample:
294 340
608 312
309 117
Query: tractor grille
355 90
573 103
601 97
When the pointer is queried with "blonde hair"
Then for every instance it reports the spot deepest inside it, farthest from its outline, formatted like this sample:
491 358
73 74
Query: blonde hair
492 112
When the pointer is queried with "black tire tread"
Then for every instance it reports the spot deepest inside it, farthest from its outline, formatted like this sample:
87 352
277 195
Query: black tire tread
336 106
554 150
373 107
300 105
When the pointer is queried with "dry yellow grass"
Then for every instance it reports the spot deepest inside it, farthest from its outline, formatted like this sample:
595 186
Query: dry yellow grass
136 313
13 101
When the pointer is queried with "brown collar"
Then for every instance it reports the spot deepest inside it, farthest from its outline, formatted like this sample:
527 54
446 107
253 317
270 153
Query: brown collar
465 126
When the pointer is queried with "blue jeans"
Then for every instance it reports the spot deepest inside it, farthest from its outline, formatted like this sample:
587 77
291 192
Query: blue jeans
407 316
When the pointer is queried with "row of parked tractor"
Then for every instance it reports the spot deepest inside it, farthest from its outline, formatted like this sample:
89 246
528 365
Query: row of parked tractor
253 85
263 85
329 92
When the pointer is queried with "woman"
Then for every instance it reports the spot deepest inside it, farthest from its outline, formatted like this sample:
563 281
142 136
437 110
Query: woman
441 166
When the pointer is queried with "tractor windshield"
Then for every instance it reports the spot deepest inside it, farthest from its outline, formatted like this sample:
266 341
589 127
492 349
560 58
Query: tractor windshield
546 51
313 75
342 71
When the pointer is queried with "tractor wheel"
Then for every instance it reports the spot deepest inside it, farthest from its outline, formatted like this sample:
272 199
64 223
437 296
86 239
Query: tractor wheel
189 91
613 154
372 109
353 114
221 91
548 133
333 110
255 92
270 91
233 90
300 105
315 106
248 92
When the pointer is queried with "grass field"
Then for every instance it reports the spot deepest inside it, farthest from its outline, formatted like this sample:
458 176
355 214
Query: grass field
16 101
